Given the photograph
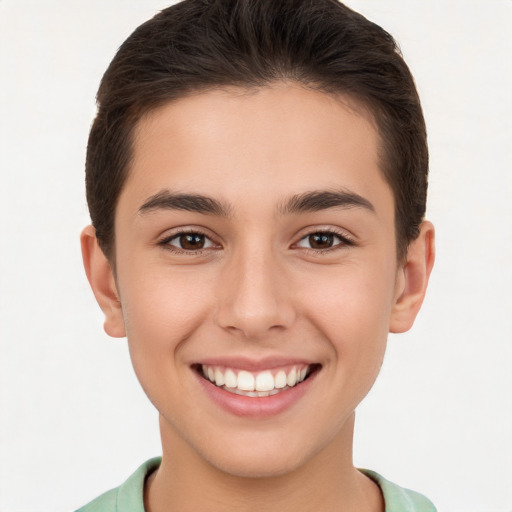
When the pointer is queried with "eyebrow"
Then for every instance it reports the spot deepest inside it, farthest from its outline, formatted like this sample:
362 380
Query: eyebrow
166 200
300 203
324 199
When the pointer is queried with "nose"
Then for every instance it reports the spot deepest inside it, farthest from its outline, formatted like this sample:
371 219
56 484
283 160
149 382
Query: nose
255 297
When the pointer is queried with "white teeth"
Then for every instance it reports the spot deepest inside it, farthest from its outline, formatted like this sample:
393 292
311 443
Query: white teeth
245 381
280 380
230 379
254 384
219 378
291 380
246 393
264 381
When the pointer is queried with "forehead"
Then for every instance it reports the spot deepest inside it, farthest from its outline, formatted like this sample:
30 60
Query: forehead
284 139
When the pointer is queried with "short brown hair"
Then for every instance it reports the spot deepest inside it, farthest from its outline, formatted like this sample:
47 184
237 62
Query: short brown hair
200 44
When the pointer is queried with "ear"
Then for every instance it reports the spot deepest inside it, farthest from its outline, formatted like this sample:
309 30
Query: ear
101 278
412 279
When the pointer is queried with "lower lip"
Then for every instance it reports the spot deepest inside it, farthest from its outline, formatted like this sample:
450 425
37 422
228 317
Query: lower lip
255 407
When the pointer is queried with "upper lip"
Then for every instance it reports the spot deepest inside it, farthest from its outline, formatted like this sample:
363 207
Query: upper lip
254 364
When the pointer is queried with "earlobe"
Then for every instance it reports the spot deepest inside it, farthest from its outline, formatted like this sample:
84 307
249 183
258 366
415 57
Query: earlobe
413 279
101 278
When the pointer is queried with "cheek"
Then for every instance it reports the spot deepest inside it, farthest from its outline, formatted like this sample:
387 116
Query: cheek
160 315
352 308
163 303
160 311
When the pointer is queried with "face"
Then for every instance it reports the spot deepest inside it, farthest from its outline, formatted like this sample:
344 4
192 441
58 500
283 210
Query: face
256 273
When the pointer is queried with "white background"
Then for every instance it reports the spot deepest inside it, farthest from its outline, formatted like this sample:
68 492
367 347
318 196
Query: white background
73 421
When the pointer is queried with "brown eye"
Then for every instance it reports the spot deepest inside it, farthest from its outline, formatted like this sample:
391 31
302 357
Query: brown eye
190 242
321 240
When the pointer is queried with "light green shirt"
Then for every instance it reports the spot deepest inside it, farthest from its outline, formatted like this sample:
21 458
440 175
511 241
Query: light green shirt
129 497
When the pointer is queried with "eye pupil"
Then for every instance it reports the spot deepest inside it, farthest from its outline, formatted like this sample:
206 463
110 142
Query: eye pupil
321 240
192 241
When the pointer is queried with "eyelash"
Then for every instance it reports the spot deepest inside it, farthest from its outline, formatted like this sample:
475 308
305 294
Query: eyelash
166 242
344 241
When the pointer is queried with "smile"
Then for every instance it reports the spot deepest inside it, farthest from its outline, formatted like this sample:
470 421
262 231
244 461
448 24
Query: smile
256 384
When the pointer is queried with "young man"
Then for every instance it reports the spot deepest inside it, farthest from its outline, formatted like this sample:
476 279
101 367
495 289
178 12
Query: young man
256 177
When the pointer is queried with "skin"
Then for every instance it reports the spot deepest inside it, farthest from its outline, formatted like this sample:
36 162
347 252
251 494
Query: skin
258 289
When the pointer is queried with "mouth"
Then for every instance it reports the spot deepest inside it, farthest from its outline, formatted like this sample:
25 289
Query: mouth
258 384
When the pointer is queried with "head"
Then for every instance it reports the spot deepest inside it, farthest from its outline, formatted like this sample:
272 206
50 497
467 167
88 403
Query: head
256 177
198 45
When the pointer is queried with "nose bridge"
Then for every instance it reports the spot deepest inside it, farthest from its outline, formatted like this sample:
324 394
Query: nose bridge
254 298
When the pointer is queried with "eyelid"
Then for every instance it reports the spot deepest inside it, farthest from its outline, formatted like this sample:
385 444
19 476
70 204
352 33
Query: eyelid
208 241
164 241
346 239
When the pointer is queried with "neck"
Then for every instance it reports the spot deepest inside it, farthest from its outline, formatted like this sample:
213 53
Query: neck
328 481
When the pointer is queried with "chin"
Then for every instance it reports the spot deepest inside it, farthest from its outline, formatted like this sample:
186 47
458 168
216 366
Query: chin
258 459
257 466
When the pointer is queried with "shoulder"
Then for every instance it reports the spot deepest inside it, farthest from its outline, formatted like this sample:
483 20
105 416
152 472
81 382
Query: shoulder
128 497
399 499
107 502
